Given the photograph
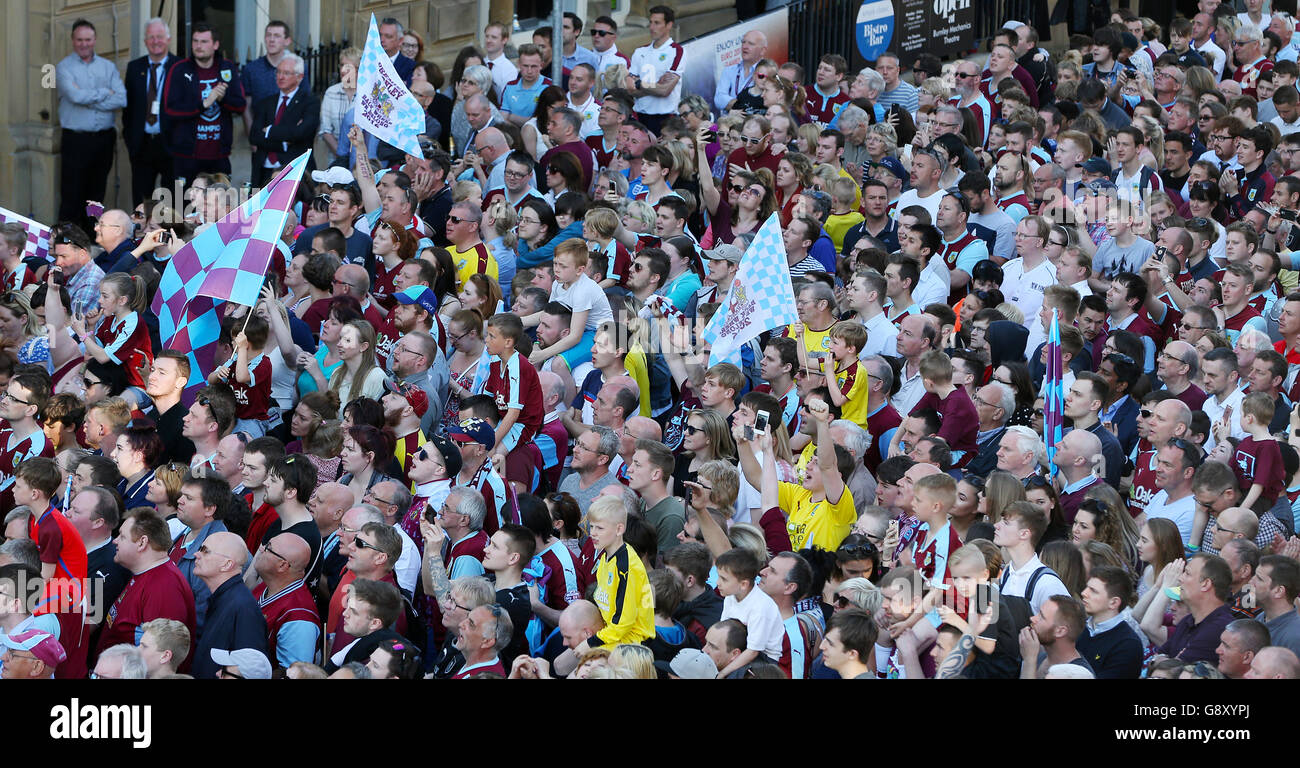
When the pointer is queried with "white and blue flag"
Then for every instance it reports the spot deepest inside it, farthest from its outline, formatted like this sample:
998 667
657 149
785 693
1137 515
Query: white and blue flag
384 106
761 296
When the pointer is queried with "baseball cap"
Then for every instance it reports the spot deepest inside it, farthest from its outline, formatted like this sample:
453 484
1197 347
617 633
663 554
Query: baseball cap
1129 41
40 644
252 663
892 165
689 664
333 176
450 454
1174 593
417 398
1102 186
419 294
473 431
1097 165
725 252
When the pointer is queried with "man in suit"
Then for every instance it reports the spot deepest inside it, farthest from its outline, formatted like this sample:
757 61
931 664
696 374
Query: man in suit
284 125
142 120
390 39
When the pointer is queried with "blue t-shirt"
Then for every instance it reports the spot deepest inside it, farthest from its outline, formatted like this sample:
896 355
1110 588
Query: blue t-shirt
519 100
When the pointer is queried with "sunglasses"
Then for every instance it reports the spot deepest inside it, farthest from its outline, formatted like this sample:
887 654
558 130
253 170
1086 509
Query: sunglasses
600 33
363 544
737 188
752 141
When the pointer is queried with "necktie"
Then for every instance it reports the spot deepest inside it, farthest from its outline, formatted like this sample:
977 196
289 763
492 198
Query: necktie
279 112
152 94
489 66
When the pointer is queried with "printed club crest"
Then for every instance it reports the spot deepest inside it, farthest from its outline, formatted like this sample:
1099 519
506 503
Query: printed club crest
738 312
225 75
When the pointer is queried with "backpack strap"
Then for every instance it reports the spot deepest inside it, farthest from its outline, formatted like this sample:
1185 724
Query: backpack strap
1038 573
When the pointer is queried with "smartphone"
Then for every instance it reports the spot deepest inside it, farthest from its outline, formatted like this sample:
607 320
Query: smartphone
760 422
711 136
165 236
94 211
749 433
56 278
1160 252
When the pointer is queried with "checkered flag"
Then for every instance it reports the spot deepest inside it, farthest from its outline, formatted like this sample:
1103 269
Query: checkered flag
761 297
38 235
227 261
384 106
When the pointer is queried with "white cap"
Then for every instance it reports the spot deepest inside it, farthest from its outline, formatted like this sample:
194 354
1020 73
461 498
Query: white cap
252 663
335 175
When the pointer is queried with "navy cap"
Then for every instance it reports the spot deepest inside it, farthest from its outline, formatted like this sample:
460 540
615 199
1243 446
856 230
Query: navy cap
1097 165
892 165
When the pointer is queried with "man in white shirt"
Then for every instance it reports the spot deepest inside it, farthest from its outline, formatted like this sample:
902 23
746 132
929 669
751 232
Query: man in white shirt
1025 277
1287 102
865 293
582 98
736 78
654 78
1176 463
1202 29
927 169
1018 531
924 243
604 38
1221 381
503 69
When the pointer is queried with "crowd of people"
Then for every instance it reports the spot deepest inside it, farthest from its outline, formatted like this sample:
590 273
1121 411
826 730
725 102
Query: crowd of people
482 376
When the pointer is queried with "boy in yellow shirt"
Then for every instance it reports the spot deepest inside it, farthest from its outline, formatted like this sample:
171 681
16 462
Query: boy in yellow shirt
845 377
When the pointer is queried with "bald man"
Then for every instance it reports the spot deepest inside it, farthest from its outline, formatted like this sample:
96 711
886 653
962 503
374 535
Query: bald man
327 504
292 621
234 621
1274 663
487 165
1079 458
553 438
908 483
113 234
1169 419
736 78
1234 523
1177 366
579 621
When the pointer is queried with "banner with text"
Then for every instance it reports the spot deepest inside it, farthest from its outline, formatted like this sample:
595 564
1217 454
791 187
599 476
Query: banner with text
708 55
937 26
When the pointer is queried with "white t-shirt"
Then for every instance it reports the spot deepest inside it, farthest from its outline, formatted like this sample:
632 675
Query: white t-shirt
762 620
584 295
1180 512
934 284
910 197
650 63
1025 289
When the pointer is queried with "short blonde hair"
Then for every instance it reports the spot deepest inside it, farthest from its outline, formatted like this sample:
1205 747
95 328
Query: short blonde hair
114 411
171 635
636 659
607 509
969 554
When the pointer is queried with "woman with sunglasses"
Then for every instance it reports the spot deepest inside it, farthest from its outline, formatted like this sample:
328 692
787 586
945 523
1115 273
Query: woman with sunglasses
367 451
392 245
705 437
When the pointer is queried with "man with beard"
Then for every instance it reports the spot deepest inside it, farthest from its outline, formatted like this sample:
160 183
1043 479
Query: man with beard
404 406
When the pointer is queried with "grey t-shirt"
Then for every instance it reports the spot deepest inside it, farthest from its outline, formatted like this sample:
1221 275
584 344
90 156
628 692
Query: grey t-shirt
1285 631
584 497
